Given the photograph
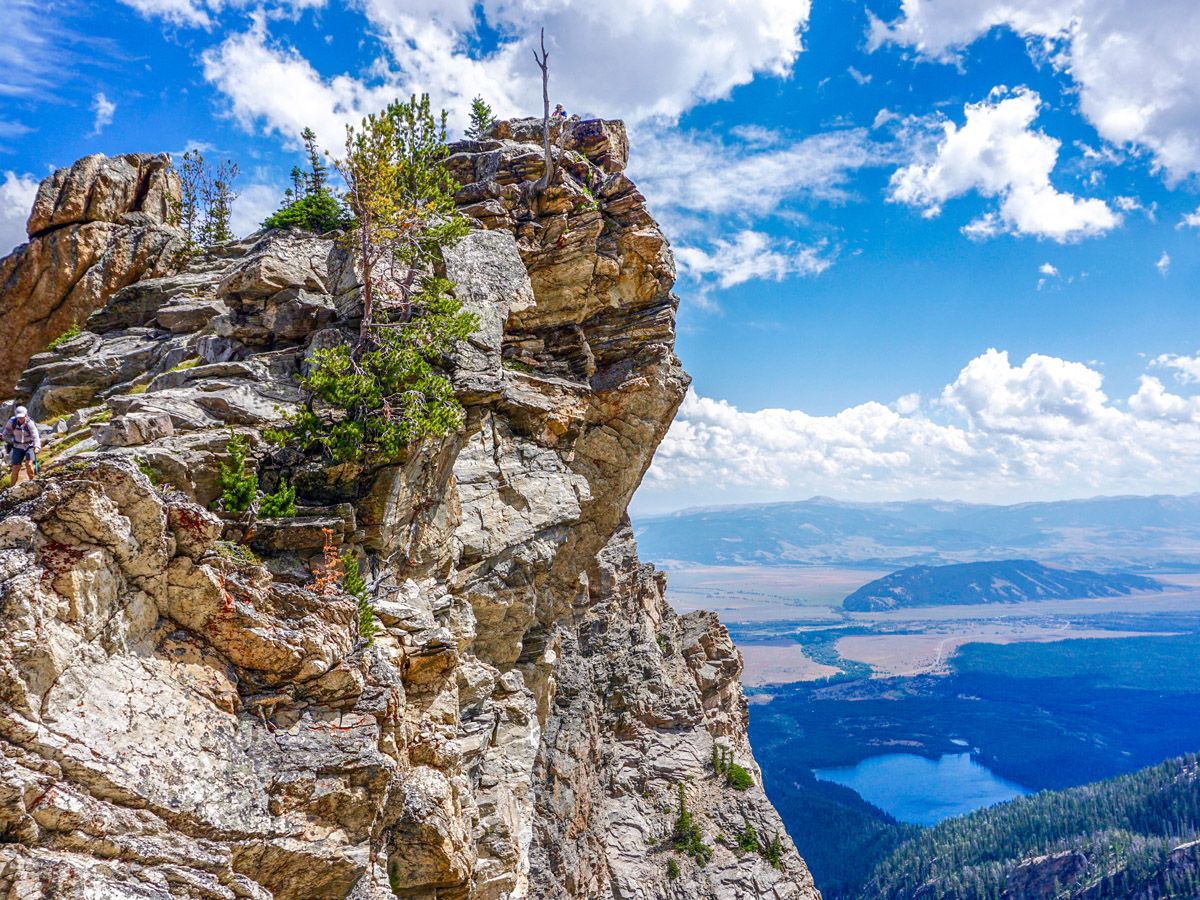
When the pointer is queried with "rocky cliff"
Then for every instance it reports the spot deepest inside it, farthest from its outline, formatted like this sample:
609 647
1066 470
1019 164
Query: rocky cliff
182 716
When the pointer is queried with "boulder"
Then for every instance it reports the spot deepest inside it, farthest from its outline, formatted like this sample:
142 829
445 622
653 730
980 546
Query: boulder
96 226
133 429
490 282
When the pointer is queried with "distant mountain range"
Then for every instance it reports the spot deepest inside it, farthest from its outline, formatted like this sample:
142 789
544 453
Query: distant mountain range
1003 581
1103 533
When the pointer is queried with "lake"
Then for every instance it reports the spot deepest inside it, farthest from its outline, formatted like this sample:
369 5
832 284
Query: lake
924 791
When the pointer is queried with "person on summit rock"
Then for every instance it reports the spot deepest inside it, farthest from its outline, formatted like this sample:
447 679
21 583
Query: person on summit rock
23 442
559 112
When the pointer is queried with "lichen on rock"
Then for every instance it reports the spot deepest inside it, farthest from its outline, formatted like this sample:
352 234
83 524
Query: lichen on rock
182 715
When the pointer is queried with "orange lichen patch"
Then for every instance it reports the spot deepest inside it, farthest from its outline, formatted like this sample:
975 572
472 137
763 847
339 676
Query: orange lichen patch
327 577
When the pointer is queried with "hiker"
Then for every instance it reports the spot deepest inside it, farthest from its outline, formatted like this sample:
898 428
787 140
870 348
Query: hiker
23 442
559 112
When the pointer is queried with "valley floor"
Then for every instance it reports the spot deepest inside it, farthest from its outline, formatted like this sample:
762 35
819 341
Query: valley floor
1042 695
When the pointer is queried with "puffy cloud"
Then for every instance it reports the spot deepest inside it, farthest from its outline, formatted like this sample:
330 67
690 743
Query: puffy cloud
16 200
750 255
713 443
1049 275
997 154
641 60
1153 402
1045 397
1190 220
1164 264
276 88
1135 64
103 108
999 431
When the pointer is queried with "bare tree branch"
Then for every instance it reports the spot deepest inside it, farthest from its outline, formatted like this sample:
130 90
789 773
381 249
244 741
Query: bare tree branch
543 64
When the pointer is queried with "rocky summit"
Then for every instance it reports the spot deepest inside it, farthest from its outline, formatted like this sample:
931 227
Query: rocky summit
183 715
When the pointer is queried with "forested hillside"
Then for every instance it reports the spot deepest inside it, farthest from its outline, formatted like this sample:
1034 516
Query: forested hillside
999 581
1133 836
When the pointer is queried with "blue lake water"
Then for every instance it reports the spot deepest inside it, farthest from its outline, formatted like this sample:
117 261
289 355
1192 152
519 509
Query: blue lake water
924 791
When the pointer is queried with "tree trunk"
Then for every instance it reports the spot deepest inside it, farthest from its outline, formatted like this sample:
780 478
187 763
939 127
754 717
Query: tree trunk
543 64
368 313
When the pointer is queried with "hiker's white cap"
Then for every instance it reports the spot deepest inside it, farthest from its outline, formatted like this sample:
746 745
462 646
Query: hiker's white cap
22 412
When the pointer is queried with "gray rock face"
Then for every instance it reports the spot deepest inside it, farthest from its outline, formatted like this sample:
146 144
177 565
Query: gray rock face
96 227
185 711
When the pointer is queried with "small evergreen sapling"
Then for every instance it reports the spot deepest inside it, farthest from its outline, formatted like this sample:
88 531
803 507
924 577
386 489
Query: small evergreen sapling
687 836
73 331
747 839
318 174
773 852
356 586
238 486
735 776
279 505
482 119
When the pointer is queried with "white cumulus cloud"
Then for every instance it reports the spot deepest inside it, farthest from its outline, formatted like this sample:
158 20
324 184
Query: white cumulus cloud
1000 431
1135 64
16 201
629 58
997 153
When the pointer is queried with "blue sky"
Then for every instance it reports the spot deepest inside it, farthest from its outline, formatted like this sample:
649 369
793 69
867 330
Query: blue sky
936 249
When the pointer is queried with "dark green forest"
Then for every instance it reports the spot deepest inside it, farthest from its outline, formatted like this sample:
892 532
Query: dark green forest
1120 838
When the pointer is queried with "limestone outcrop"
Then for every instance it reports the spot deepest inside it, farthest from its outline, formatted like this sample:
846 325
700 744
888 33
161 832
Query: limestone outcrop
96 226
183 715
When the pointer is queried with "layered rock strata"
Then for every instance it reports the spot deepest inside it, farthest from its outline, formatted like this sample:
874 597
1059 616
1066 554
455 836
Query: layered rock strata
181 715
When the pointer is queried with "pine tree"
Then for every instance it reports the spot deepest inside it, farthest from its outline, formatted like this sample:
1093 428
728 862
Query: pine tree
309 203
191 172
402 196
482 119
318 174
356 586
748 839
238 486
218 195
279 505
